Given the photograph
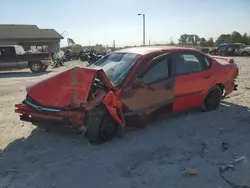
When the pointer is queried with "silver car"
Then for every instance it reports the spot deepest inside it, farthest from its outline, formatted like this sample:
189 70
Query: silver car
242 49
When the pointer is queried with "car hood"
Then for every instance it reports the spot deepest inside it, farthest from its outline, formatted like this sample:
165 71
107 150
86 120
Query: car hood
65 88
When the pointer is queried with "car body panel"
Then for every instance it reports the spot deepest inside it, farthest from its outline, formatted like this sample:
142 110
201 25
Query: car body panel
62 89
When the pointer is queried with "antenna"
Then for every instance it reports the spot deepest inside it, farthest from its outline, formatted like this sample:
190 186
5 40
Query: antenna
64 34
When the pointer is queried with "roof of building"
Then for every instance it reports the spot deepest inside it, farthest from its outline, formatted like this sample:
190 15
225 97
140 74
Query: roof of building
27 32
149 49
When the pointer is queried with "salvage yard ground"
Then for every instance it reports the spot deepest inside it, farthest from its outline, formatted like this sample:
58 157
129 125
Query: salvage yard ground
155 157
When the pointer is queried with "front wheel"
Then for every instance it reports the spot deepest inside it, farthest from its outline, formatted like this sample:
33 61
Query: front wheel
212 99
245 54
35 67
101 126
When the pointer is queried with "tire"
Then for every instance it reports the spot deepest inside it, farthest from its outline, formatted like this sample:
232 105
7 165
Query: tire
61 62
245 54
212 100
101 126
44 68
35 67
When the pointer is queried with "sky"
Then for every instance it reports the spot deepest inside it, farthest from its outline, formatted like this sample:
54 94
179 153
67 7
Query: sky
92 21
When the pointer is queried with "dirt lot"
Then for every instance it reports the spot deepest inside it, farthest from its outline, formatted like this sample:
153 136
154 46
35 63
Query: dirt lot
156 157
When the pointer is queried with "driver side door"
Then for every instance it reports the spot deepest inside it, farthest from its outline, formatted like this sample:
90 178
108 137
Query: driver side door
155 89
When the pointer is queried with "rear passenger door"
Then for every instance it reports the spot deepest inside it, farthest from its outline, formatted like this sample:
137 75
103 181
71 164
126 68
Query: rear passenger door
7 57
192 79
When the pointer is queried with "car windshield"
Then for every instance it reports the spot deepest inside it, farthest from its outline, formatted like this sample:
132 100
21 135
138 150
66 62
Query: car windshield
116 65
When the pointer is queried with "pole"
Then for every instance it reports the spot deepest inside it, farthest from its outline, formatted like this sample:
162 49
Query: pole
144 42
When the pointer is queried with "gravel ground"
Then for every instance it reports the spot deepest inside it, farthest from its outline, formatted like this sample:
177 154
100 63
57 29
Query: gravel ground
156 157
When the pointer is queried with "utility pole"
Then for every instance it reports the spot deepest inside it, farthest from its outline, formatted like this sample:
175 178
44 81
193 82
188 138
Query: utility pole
114 44
144 25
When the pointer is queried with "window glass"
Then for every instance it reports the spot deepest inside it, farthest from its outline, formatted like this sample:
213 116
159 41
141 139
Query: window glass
222 47
157 71
7 51
186 63
116 65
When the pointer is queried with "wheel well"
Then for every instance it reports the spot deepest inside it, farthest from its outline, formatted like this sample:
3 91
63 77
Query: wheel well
244 52
221 86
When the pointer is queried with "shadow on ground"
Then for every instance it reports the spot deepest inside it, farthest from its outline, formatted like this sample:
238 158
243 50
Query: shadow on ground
157 156
21 74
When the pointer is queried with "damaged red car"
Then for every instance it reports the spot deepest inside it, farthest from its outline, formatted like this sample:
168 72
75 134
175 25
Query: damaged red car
128 87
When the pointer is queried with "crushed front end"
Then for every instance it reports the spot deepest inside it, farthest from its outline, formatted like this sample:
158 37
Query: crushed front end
68 97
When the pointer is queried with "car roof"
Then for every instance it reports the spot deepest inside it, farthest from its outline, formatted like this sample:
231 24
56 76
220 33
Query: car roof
9 46
143 50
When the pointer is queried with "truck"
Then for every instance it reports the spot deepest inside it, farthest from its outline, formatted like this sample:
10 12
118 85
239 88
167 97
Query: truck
14 57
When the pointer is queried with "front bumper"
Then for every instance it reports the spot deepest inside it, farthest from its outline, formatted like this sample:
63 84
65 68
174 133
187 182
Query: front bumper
29 114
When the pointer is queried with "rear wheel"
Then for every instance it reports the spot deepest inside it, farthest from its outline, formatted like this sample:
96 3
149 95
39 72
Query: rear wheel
35 67
245 54
101 126
61 62
44 68
212 99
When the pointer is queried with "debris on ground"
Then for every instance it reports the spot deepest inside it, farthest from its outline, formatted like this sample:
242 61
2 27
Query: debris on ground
192 172
224 146
231 165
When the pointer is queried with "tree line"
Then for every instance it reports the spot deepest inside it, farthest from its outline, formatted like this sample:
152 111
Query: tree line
195 40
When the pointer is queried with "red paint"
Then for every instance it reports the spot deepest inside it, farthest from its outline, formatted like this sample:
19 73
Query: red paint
68 88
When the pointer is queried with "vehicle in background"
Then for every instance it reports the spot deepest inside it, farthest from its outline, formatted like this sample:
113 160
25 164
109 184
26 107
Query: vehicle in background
127 88
231 49
242 49
205 50
14 57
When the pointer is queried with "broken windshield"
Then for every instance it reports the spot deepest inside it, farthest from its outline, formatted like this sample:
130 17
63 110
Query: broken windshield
116 65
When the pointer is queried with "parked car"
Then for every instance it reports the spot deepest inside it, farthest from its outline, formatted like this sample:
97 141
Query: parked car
205 50
14 57
242 49
231 49
128 87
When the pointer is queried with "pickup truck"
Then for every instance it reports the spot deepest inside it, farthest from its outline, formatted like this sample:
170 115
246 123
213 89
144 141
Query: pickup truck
14 57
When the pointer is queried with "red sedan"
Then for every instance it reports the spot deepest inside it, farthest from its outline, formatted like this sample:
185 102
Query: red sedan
127 87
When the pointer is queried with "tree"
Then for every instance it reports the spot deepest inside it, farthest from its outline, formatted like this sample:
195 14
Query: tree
76 47
236 37
70 41
203 42
224 38
196 39
245 38
210 42
183 39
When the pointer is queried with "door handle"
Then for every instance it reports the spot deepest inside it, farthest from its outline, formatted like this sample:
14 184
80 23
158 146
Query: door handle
206 77
169 86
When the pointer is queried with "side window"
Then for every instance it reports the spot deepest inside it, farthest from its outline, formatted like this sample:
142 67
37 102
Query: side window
157 71
7 51
222 47
189 62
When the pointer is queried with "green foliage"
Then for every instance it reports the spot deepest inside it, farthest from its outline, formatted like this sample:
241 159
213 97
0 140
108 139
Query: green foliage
76 47
195 40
